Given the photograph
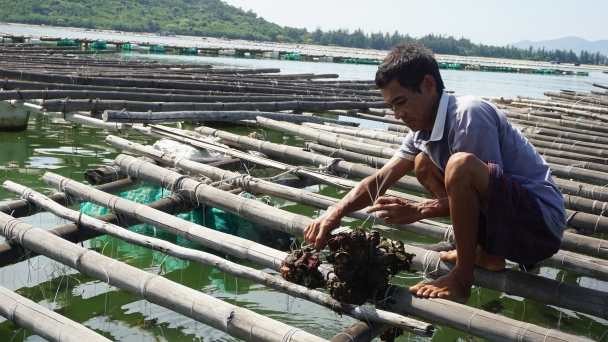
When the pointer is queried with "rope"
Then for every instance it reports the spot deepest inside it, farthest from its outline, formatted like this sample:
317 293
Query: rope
448 236
289 334
470 320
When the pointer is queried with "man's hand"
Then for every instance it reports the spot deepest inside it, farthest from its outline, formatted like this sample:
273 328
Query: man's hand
396 210
316 232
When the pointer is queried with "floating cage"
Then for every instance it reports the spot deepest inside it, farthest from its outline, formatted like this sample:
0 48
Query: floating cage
99 45
187 51
156 49
66 42
293 56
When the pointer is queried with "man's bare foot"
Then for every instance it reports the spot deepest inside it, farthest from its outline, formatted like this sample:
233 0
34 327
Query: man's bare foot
489 262
448 287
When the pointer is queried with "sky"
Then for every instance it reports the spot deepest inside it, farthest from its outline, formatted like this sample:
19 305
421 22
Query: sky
483 21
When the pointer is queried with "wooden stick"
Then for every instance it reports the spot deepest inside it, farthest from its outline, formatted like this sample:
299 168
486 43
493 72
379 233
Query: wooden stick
42 321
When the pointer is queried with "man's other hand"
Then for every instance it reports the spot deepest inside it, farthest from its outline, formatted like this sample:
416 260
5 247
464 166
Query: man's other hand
317 231
396 210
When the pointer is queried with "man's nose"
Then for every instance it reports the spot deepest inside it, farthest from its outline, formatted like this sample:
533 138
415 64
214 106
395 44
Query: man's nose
399 113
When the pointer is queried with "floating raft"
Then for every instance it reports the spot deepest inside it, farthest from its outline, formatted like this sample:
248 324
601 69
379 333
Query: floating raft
569 128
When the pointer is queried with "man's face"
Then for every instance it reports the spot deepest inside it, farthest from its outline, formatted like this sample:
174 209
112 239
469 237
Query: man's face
416 110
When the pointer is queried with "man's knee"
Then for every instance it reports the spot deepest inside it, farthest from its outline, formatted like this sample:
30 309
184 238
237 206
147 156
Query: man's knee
461 168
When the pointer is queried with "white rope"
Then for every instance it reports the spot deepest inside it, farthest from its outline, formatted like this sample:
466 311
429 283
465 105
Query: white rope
289 334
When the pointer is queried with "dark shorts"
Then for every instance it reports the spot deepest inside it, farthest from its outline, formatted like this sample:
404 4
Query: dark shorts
515 228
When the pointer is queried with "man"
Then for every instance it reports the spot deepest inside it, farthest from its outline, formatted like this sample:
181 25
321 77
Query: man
480 170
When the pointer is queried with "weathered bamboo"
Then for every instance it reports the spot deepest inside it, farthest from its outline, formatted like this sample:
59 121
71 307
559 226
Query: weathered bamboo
557 122
42 321
11 253
24 208
260 277
372 117
578 99
555 131
99 94
424 227
572 112
297 156
360 133
238 322
149 117
100 81
139 106
104 175
20 84
400 299
360 332
326 138
589 266
554 104
570 171
561 140
585 151
411 183
372 161
579 300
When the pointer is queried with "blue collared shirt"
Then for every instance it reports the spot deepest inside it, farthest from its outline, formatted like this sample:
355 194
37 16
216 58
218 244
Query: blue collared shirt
470 124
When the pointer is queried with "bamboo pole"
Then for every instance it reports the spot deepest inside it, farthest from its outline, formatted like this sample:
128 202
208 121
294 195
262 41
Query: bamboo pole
274 218
360 332
196 105
400 299
149 117
556 131
554 104
584 151
11 253
293 154
24 208
238 322
42 321
30 76
326 138
260 277
580 264
562 123
360 133
372 161
21 84
104 175
578 99
99 94
297 156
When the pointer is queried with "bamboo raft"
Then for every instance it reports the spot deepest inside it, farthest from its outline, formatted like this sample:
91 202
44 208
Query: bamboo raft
134 97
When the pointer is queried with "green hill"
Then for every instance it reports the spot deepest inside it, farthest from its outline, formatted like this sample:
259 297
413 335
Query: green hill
215 18
212 18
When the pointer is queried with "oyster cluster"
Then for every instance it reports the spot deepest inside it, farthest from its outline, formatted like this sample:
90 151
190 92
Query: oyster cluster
302 267
363 263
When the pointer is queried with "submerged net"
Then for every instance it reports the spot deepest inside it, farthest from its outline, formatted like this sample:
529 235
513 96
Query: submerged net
209 217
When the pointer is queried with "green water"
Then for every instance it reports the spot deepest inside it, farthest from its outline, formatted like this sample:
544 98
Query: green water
67 149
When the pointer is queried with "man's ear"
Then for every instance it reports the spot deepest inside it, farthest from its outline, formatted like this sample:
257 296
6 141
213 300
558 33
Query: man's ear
428 84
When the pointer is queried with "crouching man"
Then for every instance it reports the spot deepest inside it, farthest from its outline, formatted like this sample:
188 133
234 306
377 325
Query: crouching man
480 170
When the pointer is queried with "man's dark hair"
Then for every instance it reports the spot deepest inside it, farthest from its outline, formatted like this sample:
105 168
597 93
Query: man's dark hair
409 62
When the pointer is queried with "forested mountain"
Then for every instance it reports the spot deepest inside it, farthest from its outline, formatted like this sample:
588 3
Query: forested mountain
215 18
212 18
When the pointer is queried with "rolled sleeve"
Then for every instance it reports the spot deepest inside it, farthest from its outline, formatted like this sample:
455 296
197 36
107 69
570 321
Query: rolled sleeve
408 149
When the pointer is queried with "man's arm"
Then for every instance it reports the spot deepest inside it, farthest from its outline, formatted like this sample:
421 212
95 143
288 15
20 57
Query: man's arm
366 192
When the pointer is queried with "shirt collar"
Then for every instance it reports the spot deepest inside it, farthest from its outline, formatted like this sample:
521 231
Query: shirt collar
439 124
